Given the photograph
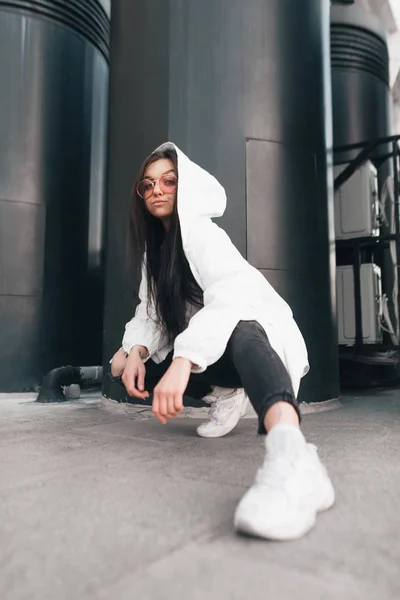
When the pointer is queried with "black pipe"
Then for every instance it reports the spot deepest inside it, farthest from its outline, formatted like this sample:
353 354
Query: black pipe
355 164
57 379
364 155
357 295
361 145
396 193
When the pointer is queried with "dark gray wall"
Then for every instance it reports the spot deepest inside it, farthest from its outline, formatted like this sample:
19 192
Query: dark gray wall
244 89
53 118
138 122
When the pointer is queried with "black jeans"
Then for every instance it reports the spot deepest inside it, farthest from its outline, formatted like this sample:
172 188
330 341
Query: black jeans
250 362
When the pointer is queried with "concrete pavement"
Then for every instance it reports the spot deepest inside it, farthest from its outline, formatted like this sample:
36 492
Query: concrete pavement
96 505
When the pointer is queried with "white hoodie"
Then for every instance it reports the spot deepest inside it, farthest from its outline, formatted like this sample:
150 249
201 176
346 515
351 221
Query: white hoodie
233 290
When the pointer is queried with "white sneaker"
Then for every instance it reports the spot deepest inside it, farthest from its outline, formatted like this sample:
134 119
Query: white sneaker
227 408
291 487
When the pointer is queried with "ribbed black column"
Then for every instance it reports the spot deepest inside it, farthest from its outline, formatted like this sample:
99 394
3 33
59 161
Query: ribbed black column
362 108
360 79
53 124
86 17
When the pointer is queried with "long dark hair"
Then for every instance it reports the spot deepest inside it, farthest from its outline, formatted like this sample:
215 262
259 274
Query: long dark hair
170 282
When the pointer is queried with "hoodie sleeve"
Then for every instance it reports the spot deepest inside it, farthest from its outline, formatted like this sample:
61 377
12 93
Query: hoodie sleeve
143 329
226 279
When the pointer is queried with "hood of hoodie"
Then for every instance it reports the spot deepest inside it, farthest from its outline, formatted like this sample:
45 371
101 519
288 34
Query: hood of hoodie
199 194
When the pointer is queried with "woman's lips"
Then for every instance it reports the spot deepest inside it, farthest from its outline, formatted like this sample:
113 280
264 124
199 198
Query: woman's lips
159 203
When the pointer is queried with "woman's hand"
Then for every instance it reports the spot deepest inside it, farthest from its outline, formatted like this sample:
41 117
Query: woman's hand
135 373
118 363
168 394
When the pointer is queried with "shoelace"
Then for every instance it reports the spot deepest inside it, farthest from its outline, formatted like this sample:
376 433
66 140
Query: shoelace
216 395
276 471
217 409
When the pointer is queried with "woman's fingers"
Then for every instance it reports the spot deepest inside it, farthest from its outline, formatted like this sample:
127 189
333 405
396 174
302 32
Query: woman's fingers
134 376
129 381
165 405
178 402
118 363
171 410
156 408
168 394
140 378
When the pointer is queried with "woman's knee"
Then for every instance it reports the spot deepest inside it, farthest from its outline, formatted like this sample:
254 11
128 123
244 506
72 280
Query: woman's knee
246 337
246 331
118 363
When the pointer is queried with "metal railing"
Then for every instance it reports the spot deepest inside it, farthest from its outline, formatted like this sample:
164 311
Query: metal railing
356 244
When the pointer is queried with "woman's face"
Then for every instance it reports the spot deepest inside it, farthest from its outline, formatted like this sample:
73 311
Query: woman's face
158 188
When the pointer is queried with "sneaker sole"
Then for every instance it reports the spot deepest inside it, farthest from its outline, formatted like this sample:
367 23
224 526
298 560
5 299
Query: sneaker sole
288 534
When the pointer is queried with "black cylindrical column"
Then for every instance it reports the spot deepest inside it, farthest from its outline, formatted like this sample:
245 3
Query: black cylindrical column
244 89
53 121
360 80
362 112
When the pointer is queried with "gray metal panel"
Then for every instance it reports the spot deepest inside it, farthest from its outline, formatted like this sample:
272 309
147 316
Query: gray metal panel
283 207
288 240
306 294
98 164
22 229
19 335
49 83
286 71
361 111
371 302
208 59
139 99
356 206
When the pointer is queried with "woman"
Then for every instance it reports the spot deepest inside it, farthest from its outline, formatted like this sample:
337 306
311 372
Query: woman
205 314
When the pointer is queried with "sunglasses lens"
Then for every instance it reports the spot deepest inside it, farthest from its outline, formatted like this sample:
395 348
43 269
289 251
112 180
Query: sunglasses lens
168 183
145 189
